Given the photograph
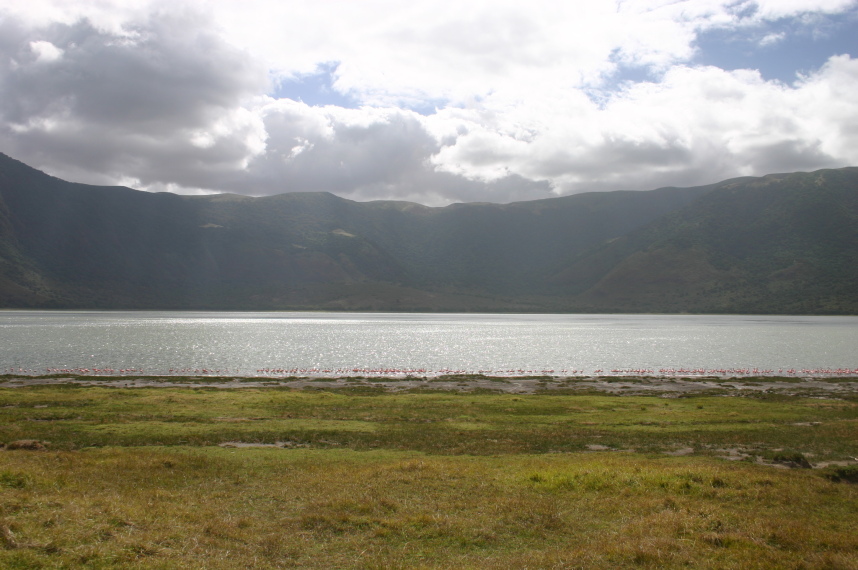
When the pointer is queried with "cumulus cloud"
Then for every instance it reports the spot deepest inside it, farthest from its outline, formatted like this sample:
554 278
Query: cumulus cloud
696 124
786 8
146 102
772 38
338 150
361 154
476 101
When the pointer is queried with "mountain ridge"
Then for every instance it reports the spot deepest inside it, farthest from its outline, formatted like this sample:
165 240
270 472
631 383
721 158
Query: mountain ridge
782 243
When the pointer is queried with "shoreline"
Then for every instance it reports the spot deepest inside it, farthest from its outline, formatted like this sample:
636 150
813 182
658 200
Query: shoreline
664 386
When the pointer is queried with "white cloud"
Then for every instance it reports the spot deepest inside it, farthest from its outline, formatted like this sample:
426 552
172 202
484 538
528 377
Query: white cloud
773 38
45 51
176 96
162 104
772 9
697 124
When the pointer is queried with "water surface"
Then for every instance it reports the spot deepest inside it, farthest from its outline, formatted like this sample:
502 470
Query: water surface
261 343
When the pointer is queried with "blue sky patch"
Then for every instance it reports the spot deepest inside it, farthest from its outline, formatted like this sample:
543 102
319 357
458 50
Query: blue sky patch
315 89
781 49
625 74
424 108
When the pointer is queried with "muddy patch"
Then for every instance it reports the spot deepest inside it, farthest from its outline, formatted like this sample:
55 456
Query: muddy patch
680 452
247 444
26 444
669 387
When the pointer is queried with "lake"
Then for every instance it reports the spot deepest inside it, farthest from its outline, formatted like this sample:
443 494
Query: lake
376 344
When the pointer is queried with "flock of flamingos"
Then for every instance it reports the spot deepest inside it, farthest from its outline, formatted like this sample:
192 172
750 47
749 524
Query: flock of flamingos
423 372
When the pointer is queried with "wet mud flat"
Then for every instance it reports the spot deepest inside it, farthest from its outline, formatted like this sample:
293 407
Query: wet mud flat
617 385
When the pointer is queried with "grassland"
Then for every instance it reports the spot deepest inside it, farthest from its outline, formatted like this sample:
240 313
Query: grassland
362 477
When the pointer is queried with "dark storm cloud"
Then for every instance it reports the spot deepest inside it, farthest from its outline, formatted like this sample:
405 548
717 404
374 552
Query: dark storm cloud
145 103
312 152
362 155
617 155
789 156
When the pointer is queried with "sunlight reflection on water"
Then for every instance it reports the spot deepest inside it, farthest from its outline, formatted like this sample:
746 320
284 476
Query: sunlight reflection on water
247 343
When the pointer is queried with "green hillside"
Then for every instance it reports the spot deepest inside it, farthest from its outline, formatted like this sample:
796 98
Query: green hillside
782 244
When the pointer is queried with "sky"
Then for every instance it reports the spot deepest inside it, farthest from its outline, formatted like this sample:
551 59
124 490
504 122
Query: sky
433 102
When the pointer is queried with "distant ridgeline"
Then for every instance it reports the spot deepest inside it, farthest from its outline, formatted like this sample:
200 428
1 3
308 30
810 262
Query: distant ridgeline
783 243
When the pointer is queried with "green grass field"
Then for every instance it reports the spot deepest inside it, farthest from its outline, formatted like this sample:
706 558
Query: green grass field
363 478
